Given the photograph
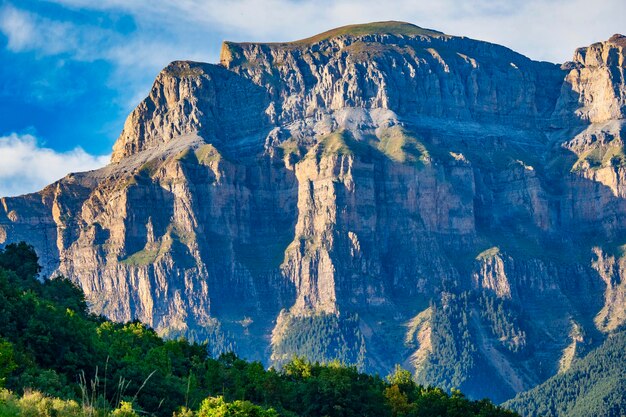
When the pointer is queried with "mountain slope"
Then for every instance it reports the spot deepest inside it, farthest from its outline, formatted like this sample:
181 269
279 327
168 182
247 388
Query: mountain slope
593 386
379 194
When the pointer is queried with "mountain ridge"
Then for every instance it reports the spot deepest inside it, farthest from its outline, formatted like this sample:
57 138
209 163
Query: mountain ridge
390 27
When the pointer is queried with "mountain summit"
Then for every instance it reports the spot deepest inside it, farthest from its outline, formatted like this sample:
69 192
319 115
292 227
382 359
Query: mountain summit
376 194
391 27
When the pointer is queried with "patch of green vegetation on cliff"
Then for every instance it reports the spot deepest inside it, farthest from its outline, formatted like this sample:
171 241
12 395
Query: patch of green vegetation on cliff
342 143
204 154
363 51
207 154
401 146
144 257
290 148
594 386
150 167
488 253
601 156
395 143
183 155
180 69
178 232
176 240
321 338
142 176
59 360
335 143
375 28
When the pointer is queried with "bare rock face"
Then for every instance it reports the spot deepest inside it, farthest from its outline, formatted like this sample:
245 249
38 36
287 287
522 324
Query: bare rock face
193 98
377 194
596 79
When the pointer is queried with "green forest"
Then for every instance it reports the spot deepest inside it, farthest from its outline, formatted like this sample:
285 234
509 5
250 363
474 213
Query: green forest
322 338
594 386
58 360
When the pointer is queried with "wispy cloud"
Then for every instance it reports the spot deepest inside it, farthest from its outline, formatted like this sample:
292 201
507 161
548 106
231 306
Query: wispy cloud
542 29
26 31
26 167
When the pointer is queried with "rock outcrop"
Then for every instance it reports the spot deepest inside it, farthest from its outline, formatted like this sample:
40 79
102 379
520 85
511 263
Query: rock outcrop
378 193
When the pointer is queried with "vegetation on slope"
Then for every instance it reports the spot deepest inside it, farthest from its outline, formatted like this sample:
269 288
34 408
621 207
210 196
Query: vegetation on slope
601 155
457 358
403 147
593 386
395 143
375 28
58 360
320 338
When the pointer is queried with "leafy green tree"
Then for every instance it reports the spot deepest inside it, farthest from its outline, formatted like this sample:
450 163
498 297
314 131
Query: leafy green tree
22 259
7 361
400 377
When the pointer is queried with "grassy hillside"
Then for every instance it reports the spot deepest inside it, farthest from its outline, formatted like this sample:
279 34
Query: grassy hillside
594 386
374 28
58 360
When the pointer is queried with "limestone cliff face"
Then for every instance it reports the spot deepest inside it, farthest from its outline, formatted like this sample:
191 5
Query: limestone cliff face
596 79
378 193
193 98
428 74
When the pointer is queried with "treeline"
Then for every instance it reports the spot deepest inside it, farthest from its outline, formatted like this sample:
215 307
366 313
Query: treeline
58 360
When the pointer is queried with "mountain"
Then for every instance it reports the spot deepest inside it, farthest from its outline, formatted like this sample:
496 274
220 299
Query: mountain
594 386
377 194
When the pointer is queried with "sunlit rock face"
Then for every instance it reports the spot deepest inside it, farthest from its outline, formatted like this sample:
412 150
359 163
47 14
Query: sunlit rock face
377 194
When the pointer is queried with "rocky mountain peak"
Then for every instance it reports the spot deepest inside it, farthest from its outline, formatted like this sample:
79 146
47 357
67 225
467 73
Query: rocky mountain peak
367 31
192 98
608 53
596 80
619 40
390 27
368 75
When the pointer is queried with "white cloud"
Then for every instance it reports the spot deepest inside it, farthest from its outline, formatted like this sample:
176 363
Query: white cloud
26 167
18 28
542 29
27 31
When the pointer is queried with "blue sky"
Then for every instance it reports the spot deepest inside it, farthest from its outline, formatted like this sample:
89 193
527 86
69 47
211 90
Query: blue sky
71 70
